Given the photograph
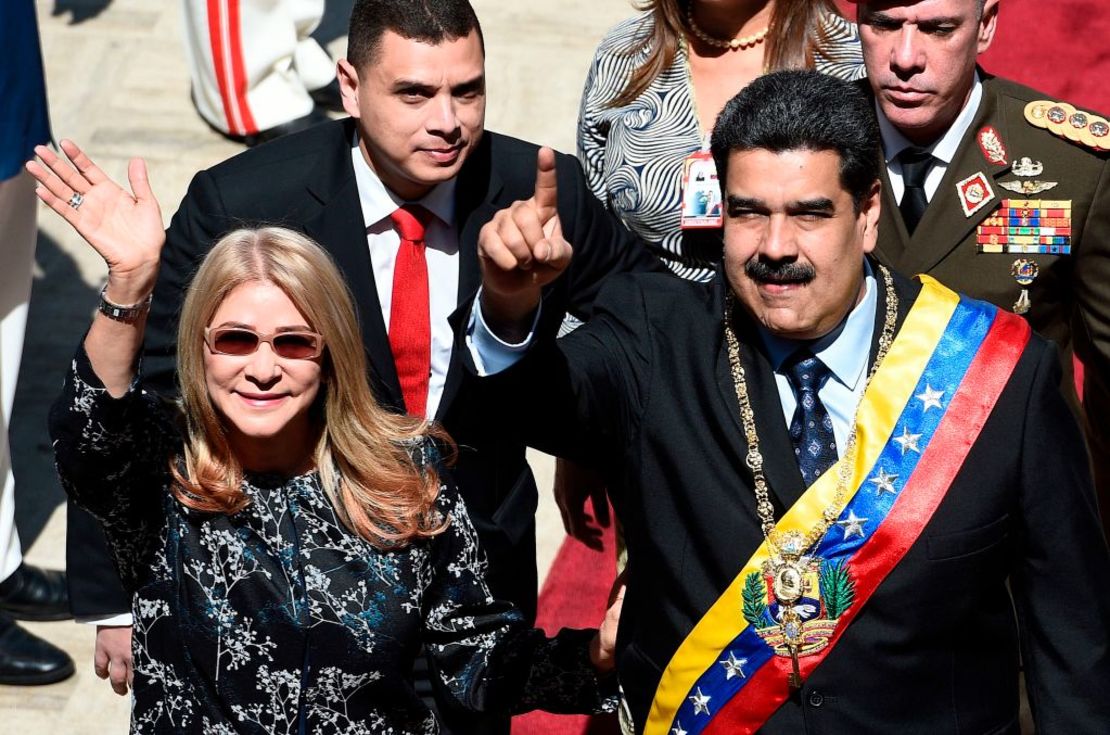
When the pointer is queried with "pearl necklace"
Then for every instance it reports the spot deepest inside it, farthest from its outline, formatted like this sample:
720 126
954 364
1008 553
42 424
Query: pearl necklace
733 44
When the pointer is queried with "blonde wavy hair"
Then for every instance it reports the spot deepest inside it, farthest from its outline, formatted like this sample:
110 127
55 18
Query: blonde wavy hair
364 453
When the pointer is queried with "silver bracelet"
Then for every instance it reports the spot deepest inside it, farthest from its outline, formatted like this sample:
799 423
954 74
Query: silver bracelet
119 312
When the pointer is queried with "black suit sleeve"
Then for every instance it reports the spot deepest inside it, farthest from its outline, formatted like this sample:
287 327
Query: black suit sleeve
603 246
1061 583
199 221
95 590
584 392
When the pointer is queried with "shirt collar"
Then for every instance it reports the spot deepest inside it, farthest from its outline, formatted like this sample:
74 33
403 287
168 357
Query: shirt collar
946 146
840 348
378 202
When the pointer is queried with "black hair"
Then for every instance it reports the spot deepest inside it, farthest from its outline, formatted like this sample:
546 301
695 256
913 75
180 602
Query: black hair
430 21
803 110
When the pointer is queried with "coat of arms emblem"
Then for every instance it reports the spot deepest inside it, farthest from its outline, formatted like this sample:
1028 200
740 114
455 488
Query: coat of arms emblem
795 607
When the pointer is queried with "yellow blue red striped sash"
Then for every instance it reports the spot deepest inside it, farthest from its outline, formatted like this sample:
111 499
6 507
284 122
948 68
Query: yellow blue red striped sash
924 408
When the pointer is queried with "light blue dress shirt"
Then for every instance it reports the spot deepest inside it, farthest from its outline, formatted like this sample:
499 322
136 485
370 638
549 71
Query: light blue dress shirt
841 351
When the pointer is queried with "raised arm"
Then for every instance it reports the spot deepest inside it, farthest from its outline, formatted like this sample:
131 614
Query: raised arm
126 230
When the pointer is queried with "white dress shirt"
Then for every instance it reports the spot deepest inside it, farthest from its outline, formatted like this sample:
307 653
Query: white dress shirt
441 251
943 150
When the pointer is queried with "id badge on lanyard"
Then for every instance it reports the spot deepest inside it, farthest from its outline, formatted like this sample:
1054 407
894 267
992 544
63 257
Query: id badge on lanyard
701 191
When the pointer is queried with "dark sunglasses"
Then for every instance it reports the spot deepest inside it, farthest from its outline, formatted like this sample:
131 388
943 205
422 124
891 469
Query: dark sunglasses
239 342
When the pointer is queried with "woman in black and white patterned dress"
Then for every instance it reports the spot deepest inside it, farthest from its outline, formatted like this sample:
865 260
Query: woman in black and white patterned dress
289 544
656 85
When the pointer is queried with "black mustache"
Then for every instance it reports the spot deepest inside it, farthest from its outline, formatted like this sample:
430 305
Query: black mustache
779 271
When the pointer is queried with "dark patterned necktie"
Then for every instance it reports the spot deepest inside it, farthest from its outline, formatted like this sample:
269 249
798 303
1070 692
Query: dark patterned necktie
916 163
811 428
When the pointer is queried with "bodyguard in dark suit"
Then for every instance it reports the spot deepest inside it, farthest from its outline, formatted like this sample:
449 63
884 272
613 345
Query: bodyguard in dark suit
872 599
414 85
978 141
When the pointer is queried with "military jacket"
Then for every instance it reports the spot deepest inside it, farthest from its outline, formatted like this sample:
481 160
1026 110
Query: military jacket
971 230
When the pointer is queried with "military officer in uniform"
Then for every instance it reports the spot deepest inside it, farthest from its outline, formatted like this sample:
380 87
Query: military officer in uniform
993 188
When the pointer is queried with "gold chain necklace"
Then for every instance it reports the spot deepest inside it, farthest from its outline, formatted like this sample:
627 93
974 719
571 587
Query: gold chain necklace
735 43
788 549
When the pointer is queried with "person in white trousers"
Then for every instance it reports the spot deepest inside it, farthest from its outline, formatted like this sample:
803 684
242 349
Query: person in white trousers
257 72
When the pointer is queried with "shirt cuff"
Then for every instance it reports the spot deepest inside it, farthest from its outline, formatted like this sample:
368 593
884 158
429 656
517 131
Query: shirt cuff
121 619
490 353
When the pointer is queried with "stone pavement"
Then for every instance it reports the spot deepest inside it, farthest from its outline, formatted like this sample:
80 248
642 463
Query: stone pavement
118 85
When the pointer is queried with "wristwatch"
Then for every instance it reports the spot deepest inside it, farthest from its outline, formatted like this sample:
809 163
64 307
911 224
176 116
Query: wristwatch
120 313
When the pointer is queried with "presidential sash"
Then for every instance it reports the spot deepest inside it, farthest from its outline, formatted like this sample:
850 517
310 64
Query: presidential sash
924 408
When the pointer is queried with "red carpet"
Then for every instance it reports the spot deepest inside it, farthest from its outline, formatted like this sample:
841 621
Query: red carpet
574 596
1059 47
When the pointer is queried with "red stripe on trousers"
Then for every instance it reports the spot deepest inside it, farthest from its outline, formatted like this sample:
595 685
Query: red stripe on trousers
215 42
238 71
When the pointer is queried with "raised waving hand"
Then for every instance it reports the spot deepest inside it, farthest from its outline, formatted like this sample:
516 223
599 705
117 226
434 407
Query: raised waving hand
125 228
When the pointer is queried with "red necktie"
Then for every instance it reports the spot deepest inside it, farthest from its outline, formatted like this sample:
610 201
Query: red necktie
410 324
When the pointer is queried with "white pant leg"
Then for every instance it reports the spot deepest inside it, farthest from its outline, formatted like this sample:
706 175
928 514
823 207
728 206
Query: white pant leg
314 65
18 211
241 60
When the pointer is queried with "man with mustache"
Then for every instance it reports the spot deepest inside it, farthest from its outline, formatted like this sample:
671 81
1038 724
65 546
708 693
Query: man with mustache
835 483
996 189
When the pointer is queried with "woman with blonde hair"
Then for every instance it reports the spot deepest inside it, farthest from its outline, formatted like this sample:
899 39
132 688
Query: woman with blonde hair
289 544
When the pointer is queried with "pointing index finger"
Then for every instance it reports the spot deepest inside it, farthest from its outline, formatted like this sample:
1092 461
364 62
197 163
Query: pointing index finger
546 196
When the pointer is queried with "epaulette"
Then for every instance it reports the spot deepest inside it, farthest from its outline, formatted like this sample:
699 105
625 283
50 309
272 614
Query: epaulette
1062 119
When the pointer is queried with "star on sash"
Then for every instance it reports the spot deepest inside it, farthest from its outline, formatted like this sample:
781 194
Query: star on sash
852 525
908 441
929 398
677 729
734 666
884 483
700 702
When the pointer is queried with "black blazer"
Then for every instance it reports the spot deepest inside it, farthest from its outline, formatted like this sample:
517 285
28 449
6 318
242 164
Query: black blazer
936 647
306 182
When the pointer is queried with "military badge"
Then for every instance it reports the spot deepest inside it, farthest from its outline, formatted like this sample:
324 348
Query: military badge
1097 133
1024 272
975 192
1036 113
991 146
1057 116
1078 126
1027 168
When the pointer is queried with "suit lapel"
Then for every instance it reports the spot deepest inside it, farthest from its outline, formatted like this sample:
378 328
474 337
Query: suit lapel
779 466
340 228
945 225
476 201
